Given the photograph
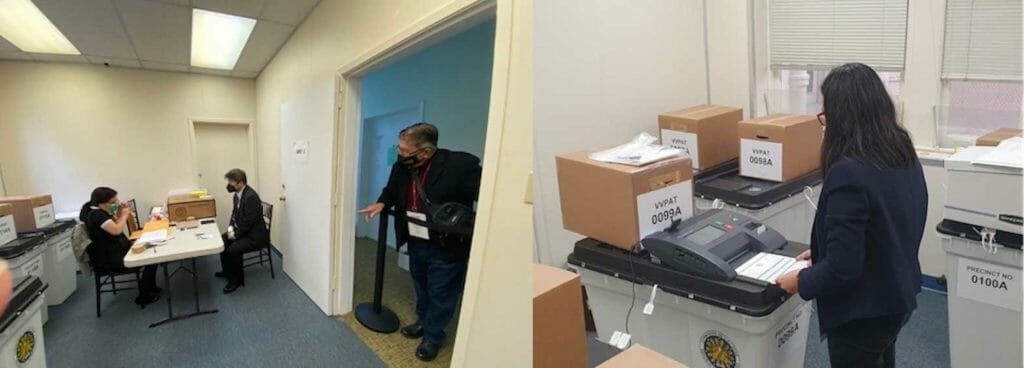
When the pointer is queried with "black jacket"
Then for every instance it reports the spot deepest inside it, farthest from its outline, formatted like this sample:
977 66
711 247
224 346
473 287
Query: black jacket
864 243
247 217
453 177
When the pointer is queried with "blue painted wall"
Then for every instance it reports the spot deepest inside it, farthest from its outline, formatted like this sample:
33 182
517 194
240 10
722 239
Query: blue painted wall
451 80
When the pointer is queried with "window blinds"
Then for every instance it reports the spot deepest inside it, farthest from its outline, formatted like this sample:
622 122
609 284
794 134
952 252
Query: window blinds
983 40
822 34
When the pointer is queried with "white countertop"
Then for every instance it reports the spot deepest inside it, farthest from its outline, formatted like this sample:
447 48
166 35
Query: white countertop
181 244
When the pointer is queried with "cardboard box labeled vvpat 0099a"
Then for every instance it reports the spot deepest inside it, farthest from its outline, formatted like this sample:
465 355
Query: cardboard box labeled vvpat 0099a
621 204
780 147
559 334
706 133
7 230
181 207
993 138
31 212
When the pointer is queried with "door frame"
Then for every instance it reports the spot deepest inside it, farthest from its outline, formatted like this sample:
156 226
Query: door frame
249 128
446 21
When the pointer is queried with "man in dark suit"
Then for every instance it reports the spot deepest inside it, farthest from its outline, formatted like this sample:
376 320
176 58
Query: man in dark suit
247 230
438 270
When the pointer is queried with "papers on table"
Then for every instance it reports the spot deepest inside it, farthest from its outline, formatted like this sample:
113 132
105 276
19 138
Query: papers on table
768 267
1009 153
153 237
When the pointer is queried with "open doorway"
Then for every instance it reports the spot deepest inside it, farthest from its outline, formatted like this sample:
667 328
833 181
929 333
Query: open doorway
446 83
219 146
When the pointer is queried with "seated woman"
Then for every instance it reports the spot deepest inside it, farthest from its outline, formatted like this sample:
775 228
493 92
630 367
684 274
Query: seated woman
105 217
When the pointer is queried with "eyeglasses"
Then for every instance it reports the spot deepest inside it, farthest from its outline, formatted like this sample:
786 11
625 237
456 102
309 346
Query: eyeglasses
821 118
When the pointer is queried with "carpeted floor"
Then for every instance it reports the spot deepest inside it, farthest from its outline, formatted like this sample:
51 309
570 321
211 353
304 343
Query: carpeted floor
924 342
394 349
268 323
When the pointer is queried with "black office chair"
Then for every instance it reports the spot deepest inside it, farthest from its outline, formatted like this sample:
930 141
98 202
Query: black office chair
263 254
104 277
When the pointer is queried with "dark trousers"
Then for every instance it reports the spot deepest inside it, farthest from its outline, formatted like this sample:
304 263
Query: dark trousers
148 282
438 277
231 258
866 343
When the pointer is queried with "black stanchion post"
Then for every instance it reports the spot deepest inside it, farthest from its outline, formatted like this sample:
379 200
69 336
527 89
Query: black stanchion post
375 316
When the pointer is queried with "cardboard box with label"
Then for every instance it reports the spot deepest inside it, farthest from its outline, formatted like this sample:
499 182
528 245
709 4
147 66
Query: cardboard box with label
7 231
31 212
181 207
780 147
559 334
993 138
639 356
621 204
706 133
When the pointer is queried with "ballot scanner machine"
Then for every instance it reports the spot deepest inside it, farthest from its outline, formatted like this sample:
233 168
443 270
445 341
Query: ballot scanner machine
715 303
21 325
59 265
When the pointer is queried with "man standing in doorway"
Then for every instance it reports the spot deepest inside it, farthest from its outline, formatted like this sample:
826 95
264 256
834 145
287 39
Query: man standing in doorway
438 270
247 231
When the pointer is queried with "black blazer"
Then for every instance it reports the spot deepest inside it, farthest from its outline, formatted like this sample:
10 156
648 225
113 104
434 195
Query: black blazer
864 243
247 217
453 177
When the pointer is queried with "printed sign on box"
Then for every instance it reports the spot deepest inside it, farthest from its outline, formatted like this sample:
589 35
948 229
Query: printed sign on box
656 209
762 160
687 142
7 231
43 215
989 283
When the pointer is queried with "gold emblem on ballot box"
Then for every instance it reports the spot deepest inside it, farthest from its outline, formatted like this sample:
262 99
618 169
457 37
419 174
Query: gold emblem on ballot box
26 344
718 351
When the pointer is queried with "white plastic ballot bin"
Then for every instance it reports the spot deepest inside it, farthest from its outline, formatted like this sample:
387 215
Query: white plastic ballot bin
786 207
24 255
21 326
59 263
984 295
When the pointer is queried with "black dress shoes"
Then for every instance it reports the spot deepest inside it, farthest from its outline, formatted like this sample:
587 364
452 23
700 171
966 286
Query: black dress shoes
143 300
413 331
220 274
427 350
231 287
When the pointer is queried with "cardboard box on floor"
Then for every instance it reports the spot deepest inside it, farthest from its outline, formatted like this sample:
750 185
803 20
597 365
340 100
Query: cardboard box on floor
7 231
31 212
706 133
639 356
995 137
780 147
621 204
181 207
559 335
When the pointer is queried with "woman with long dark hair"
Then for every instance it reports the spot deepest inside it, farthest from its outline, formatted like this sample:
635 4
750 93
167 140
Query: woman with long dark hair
864 271
105 218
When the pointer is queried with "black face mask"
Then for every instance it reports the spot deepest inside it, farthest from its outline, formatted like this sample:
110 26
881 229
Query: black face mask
231 188
409 161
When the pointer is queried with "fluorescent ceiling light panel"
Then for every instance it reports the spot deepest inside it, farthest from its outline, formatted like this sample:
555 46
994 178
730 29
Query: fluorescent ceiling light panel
26 27
218 38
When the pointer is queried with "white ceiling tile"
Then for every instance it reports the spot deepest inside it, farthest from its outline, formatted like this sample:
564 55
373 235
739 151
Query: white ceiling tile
91 25
100 60
160 32
156 65
263 44
7 46
60 58
220 72
246 75
245 8
290 12
14 55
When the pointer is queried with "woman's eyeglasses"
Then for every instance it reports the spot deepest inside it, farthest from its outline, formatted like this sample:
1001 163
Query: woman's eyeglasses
821 118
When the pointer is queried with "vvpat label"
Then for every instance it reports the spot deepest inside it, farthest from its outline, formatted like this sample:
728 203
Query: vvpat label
656 209
43 215
7 231
687 142
989 283
760 159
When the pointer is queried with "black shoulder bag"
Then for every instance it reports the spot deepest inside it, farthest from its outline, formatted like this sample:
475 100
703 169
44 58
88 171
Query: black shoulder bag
452 221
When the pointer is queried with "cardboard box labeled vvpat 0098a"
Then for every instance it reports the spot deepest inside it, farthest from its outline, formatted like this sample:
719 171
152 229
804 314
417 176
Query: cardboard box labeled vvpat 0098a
31 212
621 204
780 147
706 133
181 207
993 138
559 334
7 230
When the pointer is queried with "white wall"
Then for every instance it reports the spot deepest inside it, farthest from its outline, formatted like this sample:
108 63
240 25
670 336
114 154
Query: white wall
66 128
603 72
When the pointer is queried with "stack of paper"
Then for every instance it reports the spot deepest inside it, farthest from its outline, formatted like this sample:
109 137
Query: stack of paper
768 267
642 150
153 237
1009 153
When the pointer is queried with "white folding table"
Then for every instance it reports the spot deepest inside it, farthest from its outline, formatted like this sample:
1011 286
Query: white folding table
182 245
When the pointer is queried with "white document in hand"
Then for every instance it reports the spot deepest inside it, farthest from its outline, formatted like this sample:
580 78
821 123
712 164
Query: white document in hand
768 267
156 236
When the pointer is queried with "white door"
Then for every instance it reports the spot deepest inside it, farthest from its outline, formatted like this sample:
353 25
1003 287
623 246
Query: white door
305 212
377 153
221 147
